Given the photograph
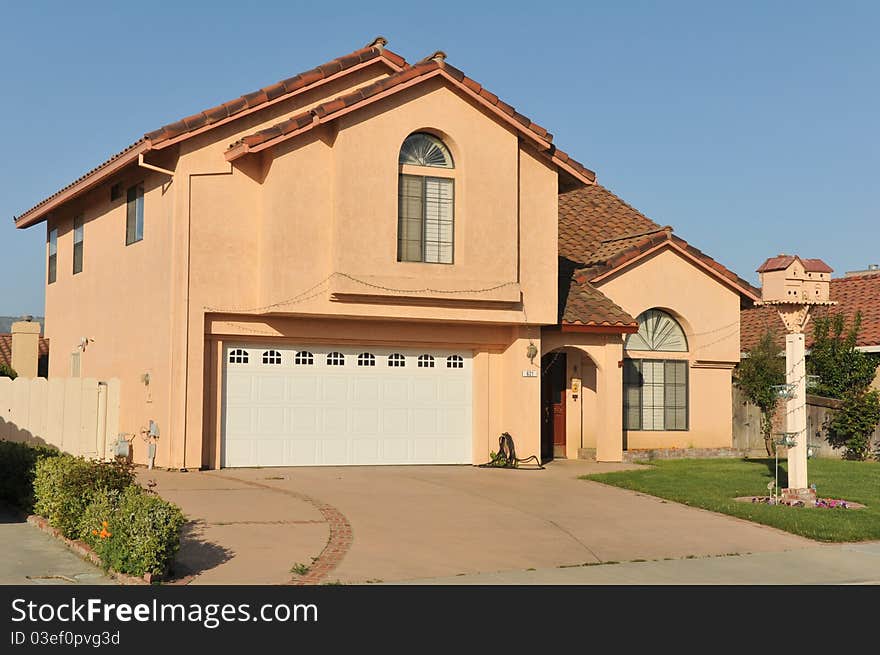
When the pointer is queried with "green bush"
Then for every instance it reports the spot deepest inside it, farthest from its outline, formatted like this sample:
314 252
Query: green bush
64 486
17 464
133 531
7 372
853 426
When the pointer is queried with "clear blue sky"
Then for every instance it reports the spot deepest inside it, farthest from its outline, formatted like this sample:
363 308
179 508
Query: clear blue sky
751 127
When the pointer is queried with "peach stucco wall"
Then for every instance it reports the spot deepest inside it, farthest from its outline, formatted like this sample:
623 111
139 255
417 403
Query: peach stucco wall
299 237
119 301
708 311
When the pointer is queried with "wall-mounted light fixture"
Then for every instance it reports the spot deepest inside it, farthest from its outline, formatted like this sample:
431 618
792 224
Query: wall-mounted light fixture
532 352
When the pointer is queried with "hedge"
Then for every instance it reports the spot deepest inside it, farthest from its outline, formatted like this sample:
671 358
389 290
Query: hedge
131 529
18 462
65 485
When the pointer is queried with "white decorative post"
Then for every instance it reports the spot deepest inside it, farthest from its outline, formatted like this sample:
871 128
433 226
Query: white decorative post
796 409
794 286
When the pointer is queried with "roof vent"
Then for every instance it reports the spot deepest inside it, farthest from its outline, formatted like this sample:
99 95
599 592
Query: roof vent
379 42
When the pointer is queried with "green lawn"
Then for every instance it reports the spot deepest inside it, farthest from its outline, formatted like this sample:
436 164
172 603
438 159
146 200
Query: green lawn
714 483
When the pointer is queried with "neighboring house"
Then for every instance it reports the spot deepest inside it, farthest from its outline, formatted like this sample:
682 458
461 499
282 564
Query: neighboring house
857 292
41 356
375 262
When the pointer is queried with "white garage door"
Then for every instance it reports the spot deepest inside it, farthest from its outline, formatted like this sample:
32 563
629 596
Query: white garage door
324 405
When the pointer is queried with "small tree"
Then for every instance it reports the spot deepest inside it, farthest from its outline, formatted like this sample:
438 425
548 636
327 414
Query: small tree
7 372
841 368
756 376
852 426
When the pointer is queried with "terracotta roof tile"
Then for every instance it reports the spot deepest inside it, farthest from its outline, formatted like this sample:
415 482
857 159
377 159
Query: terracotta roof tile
271 92
781 262
859 293
583 304
600 232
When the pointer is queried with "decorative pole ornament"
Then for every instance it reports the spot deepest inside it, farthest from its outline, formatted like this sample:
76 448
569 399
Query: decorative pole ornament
794 286
532 352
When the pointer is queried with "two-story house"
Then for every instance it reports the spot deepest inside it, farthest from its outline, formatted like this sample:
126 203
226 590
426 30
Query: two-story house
377 262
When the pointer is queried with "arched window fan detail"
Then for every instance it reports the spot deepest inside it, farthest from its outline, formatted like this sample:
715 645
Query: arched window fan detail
423 149
658 331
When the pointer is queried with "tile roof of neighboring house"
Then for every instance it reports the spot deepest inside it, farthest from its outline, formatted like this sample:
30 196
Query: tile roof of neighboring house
6 349
583 304
600 232
781 262
859 293
428 67
375 51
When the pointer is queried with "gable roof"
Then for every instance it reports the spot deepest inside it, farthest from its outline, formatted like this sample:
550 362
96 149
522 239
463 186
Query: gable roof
213 117
859 293
602 233
781 262
6 349
433 66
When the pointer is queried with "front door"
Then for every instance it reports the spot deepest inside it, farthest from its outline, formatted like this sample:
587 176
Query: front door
553 367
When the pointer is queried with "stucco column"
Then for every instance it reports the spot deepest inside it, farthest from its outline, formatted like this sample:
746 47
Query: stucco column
25 348
796 410
609 442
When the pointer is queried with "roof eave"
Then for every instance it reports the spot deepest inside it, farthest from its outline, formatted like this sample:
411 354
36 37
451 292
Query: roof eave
247 112
39 213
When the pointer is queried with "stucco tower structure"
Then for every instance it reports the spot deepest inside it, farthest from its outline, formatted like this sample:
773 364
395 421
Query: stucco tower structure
794 286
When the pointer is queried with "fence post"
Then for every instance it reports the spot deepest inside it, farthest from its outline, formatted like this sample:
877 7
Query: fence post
101 427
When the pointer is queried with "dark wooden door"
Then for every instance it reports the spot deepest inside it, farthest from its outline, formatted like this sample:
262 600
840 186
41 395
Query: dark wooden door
553 367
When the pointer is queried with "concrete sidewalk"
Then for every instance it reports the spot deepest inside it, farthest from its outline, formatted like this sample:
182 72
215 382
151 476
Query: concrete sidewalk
33 557
821 565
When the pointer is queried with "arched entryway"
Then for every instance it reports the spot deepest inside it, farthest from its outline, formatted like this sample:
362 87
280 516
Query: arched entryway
553 405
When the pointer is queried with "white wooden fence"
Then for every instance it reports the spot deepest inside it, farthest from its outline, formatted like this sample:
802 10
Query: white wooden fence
77 415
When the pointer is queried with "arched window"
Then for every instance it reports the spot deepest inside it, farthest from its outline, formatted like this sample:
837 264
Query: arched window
425 208
455 361
238 356
304 358
426 361
655 391
366 359
271 357
658 331
335 359
396 360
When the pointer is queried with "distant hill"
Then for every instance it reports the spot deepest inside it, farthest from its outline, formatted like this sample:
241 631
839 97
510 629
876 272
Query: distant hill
7 321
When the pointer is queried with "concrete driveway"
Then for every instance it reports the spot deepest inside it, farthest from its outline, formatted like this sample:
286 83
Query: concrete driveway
372 524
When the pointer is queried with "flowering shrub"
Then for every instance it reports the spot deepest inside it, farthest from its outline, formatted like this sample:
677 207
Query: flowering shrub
133 531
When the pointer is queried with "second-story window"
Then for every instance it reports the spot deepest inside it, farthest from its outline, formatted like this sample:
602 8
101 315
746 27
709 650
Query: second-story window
77 244
425 214
53 255
134 217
